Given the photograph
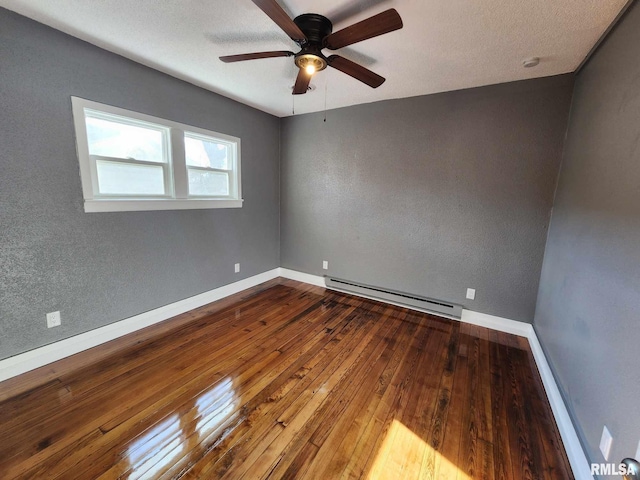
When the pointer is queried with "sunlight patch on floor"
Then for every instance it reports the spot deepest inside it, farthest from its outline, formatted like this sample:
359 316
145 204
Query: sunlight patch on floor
405 455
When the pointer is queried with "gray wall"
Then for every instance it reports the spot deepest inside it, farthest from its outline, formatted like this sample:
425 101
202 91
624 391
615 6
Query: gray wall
429 195
102 267
588 313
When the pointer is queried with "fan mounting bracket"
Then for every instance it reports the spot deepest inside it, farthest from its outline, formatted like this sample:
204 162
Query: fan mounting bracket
316 28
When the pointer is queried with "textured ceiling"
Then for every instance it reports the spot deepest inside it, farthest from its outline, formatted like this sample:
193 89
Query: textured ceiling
444 45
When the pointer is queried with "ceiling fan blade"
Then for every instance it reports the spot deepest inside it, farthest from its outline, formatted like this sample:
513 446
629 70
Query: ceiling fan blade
356 71
379 24
255 56
302 83
280 17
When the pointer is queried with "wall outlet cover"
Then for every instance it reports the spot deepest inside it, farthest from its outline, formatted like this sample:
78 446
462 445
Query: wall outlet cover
237 268
605 442
53 319
471 293
325 265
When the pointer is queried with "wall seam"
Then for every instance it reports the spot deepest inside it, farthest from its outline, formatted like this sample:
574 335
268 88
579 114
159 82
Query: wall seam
608 31
279 191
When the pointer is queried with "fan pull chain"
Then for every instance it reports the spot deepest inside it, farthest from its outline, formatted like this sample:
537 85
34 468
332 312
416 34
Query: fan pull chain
293 104
326 82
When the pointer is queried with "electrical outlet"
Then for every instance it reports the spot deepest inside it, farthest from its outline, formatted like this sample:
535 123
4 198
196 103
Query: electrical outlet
237 268
53 319
325 265
605 442
471 293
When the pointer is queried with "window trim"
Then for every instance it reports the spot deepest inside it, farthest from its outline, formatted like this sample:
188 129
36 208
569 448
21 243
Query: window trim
234 183
176 169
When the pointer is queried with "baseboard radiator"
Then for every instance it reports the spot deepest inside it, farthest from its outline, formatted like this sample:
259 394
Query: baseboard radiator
408 299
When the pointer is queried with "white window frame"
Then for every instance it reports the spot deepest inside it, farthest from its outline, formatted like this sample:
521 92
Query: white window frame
175 169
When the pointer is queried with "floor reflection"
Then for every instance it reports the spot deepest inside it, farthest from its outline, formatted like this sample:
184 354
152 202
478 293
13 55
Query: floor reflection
156 449
303 385
167 442
215 406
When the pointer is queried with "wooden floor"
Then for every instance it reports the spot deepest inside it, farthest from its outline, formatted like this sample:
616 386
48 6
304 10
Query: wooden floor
287 381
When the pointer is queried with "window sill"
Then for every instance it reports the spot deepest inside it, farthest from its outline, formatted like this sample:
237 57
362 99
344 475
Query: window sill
112 205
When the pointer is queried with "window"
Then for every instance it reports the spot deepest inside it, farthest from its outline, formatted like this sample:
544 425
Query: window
131 161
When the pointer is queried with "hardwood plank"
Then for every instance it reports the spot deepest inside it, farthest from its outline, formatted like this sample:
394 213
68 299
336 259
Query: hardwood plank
414 440
182 338
349 436
526 454
432 458
322 408
330 433
82 418
173 375
287 380
499 405
34 378
543 430
246 374
485 465
475 424
291 397
380 428
455 448
293 354
162 349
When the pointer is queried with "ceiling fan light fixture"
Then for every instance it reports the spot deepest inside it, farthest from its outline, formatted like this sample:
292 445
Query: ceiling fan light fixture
311 63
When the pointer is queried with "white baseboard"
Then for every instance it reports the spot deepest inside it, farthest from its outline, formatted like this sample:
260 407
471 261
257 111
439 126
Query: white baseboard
500 324
302 277
39 357
24 362
577 458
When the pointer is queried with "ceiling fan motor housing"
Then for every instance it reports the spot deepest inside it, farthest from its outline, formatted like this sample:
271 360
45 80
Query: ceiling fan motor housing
316 28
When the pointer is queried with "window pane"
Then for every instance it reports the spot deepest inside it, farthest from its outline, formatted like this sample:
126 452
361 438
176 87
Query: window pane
112 139
206 153
123 178
208 183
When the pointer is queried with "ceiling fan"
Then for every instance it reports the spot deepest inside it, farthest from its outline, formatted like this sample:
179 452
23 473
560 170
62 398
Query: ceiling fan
313 32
